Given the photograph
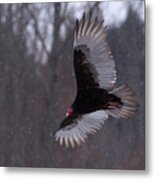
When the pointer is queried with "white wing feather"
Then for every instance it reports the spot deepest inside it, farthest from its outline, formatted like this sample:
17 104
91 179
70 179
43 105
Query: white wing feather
91 32
77 133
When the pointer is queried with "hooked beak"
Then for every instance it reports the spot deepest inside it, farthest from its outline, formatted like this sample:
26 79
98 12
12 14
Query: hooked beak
67 114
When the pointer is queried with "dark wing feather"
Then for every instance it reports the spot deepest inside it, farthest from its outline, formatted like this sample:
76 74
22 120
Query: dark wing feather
86 73
93 63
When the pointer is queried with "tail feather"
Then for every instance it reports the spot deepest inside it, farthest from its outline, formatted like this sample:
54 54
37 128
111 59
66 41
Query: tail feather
129 100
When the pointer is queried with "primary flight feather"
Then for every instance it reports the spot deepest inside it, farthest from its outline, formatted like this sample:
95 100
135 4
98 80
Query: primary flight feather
97 97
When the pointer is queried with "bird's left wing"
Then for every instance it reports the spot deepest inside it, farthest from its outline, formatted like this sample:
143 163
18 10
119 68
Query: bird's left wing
76 132
93 62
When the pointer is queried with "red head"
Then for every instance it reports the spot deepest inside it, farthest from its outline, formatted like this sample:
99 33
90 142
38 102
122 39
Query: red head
69 112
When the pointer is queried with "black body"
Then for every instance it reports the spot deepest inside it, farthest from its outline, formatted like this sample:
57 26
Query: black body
90 97
90 100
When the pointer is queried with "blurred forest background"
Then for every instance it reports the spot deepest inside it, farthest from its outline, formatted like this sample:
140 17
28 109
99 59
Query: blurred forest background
37 85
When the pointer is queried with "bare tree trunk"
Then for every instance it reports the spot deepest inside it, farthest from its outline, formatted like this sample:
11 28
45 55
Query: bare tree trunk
49 126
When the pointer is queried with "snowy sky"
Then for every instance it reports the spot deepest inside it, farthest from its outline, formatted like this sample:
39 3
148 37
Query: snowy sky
114 12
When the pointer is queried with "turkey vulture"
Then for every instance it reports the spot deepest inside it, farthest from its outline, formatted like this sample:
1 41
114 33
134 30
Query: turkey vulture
97 97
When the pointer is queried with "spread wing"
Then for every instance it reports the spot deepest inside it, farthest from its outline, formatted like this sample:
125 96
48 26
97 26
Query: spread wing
75 133
93 62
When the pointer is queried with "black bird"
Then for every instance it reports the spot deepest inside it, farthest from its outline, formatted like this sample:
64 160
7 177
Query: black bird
97 97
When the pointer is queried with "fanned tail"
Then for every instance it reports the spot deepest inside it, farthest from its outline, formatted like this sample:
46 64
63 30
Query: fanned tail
129 100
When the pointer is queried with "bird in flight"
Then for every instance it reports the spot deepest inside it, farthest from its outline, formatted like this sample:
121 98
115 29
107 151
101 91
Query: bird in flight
97 97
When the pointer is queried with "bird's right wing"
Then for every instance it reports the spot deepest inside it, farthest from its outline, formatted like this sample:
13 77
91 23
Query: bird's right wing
93 62
76 132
